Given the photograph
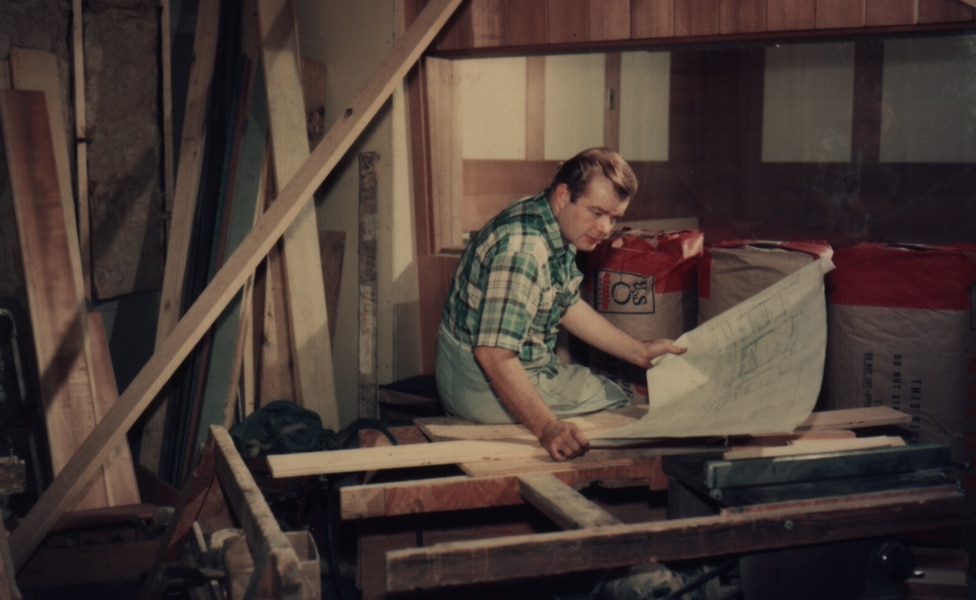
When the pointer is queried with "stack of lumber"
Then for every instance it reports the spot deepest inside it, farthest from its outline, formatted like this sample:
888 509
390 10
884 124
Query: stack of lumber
239 267
273 340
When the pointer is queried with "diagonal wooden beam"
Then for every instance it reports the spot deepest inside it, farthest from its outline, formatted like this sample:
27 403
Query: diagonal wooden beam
227 282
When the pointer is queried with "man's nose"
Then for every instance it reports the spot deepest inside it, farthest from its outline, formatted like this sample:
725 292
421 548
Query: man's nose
605 224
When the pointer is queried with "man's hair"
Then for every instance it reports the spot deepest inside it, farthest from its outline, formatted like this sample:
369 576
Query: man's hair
577 172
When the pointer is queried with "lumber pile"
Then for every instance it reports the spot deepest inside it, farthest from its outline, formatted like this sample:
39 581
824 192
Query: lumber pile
280 197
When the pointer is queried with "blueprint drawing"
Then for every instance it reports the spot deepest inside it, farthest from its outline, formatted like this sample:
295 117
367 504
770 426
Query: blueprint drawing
755 368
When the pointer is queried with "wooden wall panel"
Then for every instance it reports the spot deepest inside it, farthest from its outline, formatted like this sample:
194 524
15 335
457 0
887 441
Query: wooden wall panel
651 18
609 19
891 12
742 16
840 13
568 21
696 17
535 107
527 22
488 20
791 15
943 11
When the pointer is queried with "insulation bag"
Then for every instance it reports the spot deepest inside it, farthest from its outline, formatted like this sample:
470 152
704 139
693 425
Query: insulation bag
647 287
733 271
902 333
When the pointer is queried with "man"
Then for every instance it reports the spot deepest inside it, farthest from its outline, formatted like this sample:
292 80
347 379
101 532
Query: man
516 283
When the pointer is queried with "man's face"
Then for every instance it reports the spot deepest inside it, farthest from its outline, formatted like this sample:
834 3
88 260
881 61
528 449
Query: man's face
589 220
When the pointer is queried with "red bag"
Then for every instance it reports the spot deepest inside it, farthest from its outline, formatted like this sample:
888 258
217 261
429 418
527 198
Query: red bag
647 287
902 333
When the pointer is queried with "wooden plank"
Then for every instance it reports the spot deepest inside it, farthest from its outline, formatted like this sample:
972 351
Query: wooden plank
435 274
945 11
264 537
38 71
609 20
185 194
444 146
442 494
395 457
568 21
53 279
81 138
562 504
813 446
854 418
333 245
791 15
308 323
368 286
535 107
227 283
456 428
33 70
488 18
527 22
879 13
545 554
833 14
119 467
696 17
742 16
651 18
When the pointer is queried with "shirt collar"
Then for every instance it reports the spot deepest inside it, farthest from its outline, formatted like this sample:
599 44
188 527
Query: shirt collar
554 234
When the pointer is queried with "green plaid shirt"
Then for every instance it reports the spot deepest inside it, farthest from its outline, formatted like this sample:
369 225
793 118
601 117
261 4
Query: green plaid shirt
514 281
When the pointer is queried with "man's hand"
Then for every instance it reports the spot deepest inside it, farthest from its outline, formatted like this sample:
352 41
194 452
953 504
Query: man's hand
651 349
563 440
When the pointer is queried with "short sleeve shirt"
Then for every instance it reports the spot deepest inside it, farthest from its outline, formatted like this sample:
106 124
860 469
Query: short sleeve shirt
514 282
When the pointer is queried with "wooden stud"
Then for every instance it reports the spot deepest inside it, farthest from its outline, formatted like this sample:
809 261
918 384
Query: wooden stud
308 323
562 504
547 554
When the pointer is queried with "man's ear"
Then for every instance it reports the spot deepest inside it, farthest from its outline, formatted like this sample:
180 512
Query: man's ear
560 197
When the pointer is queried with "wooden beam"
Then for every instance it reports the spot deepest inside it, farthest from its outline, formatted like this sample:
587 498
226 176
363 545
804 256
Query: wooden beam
309 317
441 494
228 281
330 462
264 537
790 524
564 505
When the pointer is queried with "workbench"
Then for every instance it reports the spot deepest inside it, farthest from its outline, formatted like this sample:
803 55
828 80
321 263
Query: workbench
449 470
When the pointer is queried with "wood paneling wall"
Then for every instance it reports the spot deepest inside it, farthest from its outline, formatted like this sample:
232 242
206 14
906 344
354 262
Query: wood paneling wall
500 24
714 170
